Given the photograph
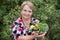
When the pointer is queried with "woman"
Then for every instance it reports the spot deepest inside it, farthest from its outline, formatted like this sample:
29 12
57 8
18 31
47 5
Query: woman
19 27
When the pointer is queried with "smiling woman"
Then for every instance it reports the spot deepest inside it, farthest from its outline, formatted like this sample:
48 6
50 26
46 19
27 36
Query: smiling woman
20 29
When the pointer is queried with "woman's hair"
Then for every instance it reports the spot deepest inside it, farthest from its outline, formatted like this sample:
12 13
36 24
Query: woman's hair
30 4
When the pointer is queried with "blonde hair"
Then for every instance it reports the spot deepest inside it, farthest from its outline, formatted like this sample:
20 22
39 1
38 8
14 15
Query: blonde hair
30 4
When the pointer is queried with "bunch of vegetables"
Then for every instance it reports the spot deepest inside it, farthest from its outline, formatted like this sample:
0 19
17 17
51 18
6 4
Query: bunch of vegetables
38 27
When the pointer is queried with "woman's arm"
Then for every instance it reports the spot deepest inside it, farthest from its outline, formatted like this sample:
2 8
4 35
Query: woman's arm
15 31
28 37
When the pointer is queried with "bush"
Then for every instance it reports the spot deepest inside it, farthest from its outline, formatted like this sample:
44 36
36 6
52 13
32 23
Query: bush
48 12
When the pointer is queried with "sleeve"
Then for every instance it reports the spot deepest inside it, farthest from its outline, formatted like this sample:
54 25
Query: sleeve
16 31
35 20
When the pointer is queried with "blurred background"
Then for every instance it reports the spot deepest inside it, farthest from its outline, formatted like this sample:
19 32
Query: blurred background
47 11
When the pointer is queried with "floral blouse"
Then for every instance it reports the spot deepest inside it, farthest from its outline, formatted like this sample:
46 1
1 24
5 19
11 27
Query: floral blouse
19 29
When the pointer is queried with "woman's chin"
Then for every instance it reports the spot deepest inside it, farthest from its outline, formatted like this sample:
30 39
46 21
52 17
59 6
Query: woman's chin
26 17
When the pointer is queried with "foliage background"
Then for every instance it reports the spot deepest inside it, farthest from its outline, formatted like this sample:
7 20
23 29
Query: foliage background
47 11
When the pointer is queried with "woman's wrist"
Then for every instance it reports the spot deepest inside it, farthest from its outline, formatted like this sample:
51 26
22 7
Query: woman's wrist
40 38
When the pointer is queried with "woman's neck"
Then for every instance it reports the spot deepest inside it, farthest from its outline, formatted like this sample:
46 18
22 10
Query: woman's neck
26 21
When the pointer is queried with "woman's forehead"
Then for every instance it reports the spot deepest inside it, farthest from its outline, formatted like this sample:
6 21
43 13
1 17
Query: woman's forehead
26 7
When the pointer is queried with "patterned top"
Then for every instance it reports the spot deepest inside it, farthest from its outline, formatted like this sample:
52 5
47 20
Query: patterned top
19 29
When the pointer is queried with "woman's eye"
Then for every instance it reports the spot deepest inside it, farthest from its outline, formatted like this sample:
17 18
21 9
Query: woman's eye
25 10
29 11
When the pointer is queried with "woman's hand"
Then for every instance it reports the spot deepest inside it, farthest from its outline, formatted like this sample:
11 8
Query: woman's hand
41 36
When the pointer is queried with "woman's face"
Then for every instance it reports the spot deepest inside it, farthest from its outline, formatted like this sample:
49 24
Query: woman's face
26 12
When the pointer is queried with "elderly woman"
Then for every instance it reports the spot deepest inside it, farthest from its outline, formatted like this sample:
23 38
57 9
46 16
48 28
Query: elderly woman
19 27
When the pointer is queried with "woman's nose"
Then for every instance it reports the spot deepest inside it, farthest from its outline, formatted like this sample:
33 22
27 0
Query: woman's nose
27 12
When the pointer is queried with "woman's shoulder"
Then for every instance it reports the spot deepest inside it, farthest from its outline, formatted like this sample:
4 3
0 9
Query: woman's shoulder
18 20
35 20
